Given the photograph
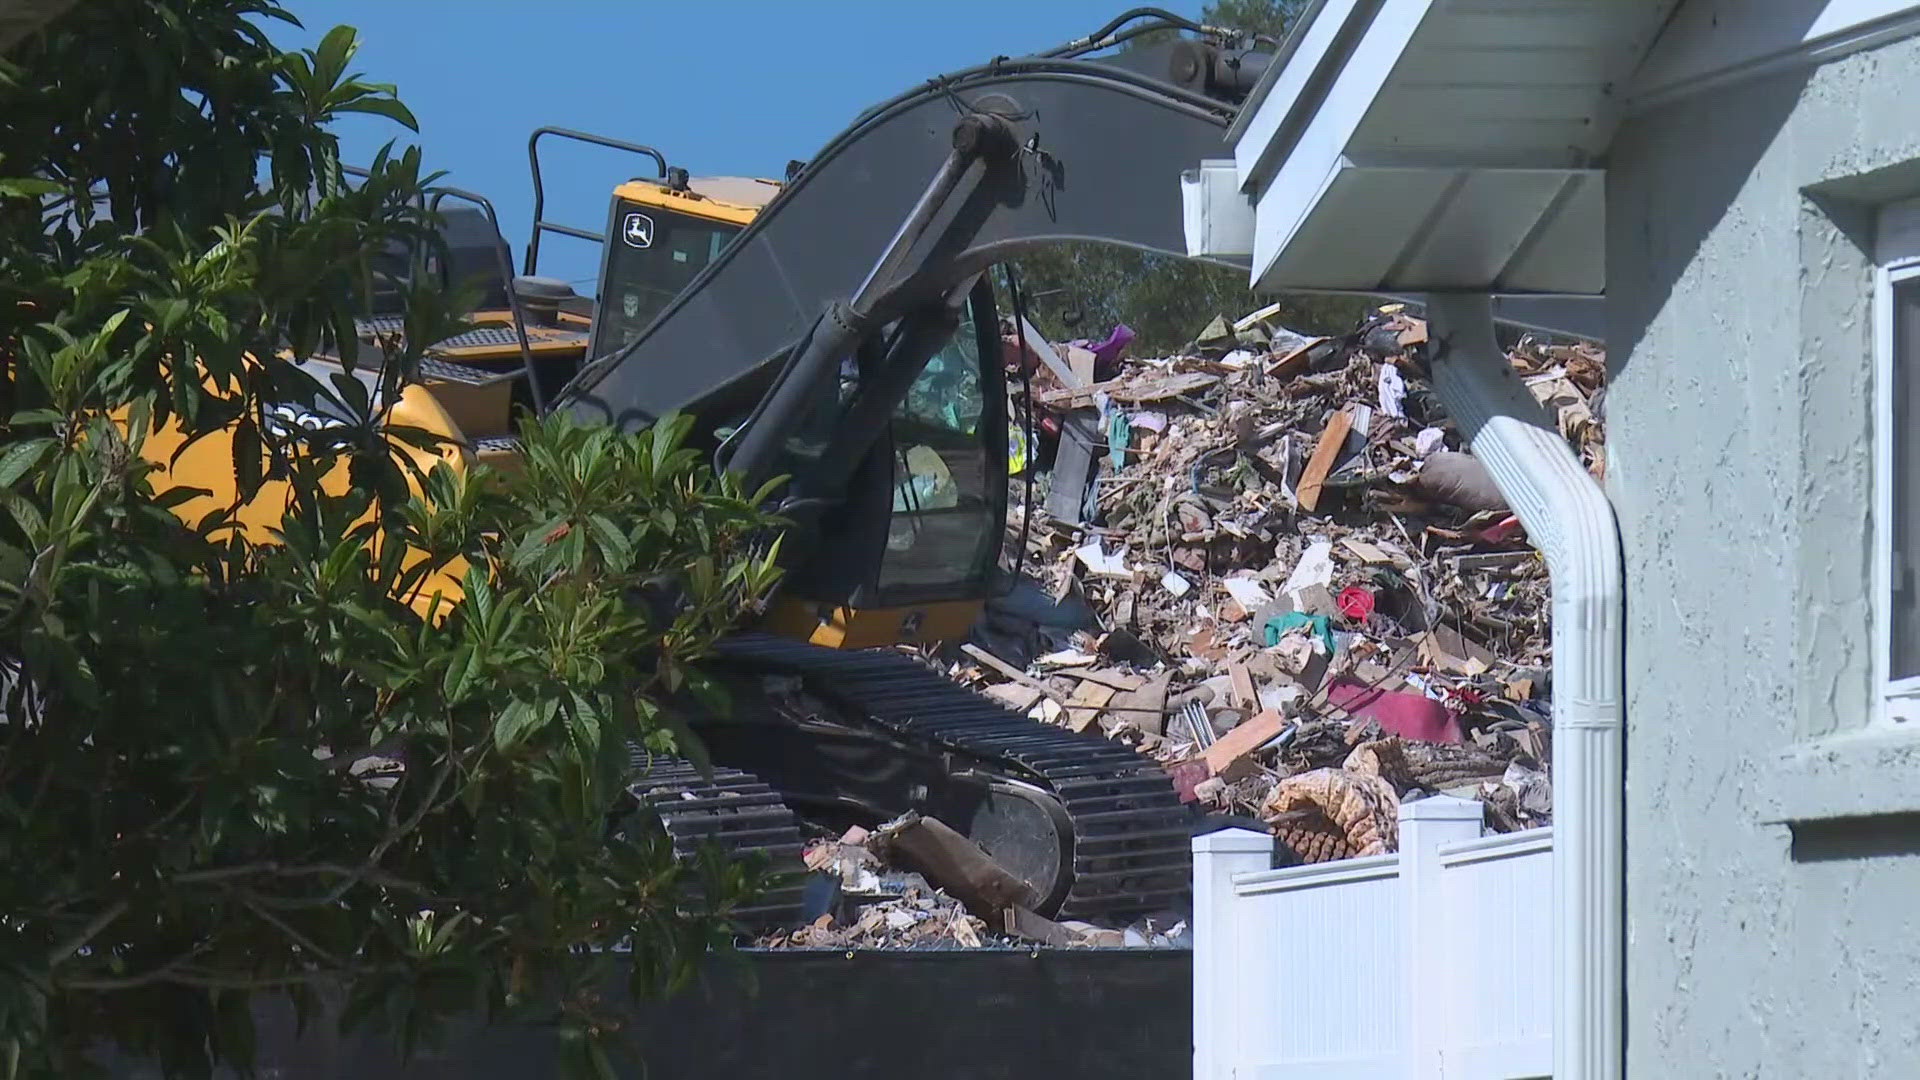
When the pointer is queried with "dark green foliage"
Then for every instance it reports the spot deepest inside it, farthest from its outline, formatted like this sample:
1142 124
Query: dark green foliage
235 764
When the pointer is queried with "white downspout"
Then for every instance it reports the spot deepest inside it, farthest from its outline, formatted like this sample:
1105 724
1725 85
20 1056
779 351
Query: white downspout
1568 518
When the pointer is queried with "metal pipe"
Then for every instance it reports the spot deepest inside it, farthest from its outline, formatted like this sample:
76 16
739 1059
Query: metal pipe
887 267
1568 518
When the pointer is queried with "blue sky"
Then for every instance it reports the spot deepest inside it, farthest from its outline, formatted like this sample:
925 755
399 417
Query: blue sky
722 87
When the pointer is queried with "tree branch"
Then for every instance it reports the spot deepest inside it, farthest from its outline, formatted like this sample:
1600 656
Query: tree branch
87 933
299 938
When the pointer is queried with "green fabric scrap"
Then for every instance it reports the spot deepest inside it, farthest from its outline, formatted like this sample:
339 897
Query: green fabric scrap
1320 624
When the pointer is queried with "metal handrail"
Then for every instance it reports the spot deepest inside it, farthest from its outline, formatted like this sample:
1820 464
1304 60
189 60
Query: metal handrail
540 224
506 279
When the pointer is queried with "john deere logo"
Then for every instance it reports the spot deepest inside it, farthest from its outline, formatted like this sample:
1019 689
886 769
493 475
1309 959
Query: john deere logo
637 230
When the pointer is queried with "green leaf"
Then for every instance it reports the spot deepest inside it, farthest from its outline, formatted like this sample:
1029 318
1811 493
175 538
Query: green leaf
175 496
460 673
583 723
619 550
390 108
27 187
518 720
331 58
26 515
20 458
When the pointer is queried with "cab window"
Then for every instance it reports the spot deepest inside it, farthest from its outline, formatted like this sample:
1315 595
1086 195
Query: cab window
652 255
944 517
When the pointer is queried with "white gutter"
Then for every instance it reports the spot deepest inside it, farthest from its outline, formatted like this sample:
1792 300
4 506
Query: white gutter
1568 518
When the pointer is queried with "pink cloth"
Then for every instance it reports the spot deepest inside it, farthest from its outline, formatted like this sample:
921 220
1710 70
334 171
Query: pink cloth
1410 716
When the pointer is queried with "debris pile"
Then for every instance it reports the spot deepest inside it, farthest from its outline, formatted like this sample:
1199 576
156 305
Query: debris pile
861 897
1271 563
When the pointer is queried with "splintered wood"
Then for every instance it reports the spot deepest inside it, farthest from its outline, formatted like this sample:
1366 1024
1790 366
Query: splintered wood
1324 456
1085 705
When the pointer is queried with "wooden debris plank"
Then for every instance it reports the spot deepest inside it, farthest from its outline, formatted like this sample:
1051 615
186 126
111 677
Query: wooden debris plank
1243 690
1119 680
1085 705
1295 362
1249 736
1044 350
1324 455
1022 922
1366 552
1145 708
1015 696
1011 672
1130 389
954 863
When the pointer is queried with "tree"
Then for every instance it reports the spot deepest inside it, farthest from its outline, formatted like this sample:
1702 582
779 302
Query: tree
1084 289
1267 18
240 761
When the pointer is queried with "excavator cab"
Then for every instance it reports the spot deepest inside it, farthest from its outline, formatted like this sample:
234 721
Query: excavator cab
533 333
915 541
912 552
909 555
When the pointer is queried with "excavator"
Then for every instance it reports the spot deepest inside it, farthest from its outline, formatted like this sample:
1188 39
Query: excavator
838 328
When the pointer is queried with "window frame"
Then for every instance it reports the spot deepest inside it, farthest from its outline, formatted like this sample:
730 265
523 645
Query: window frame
1897 262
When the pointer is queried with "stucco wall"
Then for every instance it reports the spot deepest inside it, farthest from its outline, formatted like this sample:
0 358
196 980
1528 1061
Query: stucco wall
1739 240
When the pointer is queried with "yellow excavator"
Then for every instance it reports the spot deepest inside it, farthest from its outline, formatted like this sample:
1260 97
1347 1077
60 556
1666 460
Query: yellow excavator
838 328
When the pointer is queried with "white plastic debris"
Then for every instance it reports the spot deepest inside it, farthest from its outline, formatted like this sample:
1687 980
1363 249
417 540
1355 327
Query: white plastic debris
1429 441
1246 592
1314 568
1393 391
1175 584
1099 561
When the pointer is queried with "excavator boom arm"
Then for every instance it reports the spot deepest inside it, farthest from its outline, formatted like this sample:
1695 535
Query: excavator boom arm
1081 150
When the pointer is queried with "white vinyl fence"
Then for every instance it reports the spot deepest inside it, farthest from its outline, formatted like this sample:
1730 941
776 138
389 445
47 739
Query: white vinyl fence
1431 963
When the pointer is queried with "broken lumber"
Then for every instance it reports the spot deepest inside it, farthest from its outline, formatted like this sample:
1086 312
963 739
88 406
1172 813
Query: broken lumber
1324 456
1015 696
1025 923
1043 349
1243 690
1085 705
1130 390
1011 672
1119 680
1249 736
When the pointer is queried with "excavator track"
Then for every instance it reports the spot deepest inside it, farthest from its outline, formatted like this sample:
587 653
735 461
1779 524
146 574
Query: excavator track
1130 833
732 810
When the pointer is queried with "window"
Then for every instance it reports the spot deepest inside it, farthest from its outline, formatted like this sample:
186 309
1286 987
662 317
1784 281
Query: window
642 275
1897 465
944 530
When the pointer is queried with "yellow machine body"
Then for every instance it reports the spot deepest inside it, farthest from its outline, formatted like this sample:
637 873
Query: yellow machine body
207 463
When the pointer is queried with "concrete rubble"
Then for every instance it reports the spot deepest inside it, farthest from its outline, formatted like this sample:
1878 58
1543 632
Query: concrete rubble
1282 575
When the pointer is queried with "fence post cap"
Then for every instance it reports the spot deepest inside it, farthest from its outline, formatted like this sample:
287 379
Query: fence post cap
1232 841
1441 808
